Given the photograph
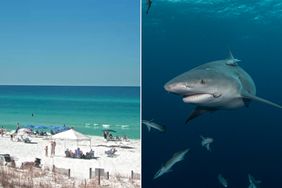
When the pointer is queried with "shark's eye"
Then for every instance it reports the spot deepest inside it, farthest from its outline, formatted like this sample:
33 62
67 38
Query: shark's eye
203 82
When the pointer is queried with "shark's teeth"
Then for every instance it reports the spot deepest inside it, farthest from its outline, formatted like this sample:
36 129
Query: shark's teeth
198 98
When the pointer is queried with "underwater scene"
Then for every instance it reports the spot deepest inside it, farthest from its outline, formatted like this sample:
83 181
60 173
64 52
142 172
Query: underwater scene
218 125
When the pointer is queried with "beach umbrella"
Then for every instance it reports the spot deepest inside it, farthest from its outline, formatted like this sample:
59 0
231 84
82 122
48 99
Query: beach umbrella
24 131
71 135
110 130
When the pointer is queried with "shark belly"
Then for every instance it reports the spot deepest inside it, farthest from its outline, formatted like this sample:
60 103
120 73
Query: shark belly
207 100
231 103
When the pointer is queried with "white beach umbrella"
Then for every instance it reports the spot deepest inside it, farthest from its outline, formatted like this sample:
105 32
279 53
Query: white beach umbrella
71 135
24 131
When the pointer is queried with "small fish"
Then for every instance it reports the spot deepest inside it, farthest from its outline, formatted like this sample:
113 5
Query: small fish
253 182
206 142
149 4
151 124
222 180
177 157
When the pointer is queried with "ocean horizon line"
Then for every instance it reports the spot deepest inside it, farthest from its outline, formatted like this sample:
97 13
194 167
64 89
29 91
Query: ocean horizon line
43 85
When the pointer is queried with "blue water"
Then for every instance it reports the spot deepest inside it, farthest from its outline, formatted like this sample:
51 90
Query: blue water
179 35
87 109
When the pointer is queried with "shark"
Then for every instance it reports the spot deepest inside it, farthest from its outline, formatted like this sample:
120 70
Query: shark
206 141
177 157
149 4
222 180
253 182
216 85
151 124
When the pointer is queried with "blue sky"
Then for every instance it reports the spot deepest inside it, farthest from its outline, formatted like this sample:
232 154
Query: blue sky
69 42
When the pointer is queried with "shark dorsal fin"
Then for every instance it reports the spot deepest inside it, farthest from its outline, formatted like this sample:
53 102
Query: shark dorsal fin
231 60
231 55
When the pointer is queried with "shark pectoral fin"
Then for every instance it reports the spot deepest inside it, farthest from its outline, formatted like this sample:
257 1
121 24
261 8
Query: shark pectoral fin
252 97
149 128
199 111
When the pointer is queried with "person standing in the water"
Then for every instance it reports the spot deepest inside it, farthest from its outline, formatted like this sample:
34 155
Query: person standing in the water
18 127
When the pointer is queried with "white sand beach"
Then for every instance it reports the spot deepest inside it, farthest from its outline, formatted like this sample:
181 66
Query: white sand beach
127 158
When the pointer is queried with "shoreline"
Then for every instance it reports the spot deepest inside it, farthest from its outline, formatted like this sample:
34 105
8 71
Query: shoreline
10 130
127 159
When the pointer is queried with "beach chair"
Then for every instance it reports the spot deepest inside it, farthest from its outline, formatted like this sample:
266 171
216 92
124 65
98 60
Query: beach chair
26 140
30 164
67 152
118 138
4 159
37 162
89 155
111 152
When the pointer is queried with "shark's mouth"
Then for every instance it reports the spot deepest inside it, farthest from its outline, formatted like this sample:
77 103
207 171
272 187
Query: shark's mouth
198 98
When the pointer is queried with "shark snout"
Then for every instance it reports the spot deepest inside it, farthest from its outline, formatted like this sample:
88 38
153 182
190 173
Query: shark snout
168 87
176 88
172 88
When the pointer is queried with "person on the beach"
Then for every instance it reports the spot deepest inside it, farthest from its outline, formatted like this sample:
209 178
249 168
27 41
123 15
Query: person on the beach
71 153
46 151
105 134
110 136
2 131
54 148
18 127
78 153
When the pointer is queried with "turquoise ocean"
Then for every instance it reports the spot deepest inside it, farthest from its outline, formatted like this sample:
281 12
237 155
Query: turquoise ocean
89 109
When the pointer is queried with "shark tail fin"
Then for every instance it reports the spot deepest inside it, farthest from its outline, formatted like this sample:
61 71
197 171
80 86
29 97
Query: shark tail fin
253 97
